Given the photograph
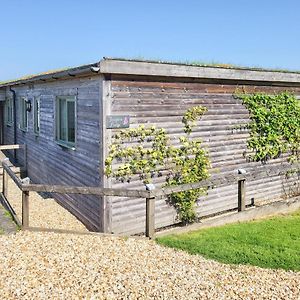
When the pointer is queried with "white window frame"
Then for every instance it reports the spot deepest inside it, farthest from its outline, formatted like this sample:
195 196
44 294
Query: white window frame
23 125
37 115
65 143
9 111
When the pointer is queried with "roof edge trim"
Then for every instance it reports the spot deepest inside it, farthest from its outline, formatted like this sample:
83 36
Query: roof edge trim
70 72
112 66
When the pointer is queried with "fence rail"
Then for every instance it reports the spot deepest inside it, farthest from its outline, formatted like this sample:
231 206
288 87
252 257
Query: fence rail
84 190
12 147
17 147
150 195
218 181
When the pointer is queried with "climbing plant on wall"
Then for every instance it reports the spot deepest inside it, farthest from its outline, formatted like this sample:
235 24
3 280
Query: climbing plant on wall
191 165
140 152
275 125
147 152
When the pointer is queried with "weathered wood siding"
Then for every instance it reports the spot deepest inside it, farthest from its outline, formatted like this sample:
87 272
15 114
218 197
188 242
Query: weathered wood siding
1 122
2 94
163 104
49 163
2 101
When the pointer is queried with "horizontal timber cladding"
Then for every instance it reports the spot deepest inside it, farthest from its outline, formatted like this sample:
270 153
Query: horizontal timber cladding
152 102
49 163
2 95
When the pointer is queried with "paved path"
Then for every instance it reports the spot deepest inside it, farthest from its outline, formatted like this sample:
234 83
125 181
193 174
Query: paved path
7 225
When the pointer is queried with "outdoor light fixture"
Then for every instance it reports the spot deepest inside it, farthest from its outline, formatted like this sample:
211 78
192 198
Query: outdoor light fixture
28 105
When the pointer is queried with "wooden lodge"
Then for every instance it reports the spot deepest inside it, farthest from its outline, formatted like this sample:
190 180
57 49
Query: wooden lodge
67 119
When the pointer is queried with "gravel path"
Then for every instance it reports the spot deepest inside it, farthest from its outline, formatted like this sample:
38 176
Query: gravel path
65 266
43 211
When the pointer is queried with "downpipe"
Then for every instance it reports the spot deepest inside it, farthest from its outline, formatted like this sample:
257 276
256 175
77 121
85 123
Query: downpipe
15 120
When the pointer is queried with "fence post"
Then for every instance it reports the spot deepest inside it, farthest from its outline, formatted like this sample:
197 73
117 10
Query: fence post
4 183
241 191
150 213
150 217
25 210
5 180
241 195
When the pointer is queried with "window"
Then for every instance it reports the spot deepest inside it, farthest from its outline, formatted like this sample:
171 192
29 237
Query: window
36 115
65 121
23 114
9 111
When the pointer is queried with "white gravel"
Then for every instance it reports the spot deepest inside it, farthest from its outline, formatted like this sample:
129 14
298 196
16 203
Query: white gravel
43 212
65 266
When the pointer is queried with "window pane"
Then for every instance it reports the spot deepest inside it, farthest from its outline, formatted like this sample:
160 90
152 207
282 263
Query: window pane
8 112
25 114
22 108
71 121
36 116
62 120
65 118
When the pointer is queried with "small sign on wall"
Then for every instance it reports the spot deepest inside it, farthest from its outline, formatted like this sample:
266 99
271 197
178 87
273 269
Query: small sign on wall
117 122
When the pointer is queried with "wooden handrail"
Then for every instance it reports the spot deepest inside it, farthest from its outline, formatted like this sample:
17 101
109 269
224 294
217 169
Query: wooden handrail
83 190
11 147
219 181
13 176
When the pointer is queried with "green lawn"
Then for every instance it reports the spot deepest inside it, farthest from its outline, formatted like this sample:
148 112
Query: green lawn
271 243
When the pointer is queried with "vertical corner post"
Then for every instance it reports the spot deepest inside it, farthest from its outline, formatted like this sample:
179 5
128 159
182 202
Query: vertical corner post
105 99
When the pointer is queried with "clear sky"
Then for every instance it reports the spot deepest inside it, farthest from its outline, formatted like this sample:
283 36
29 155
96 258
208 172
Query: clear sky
41 35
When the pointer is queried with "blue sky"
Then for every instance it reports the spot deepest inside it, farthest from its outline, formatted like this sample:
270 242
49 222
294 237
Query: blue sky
40 35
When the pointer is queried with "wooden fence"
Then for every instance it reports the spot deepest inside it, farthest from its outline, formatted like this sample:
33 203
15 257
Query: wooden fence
26 188
149 195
